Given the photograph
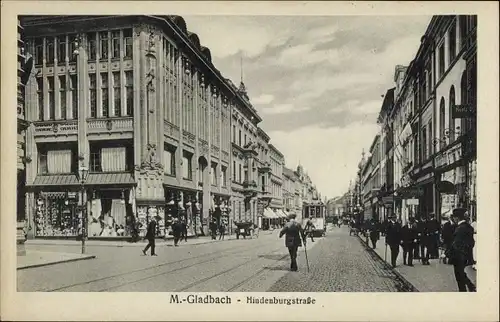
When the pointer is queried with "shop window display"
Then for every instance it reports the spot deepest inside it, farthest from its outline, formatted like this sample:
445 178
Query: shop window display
56 216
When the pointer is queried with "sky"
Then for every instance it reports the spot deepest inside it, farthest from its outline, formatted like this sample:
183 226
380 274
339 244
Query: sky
317 81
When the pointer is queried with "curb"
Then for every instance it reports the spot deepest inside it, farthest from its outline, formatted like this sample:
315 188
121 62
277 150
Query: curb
407 283
58 262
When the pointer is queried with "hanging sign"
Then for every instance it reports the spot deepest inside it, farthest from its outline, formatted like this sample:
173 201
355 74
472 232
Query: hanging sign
462 111
413 202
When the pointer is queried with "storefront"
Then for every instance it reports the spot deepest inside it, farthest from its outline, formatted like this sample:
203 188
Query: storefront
451 182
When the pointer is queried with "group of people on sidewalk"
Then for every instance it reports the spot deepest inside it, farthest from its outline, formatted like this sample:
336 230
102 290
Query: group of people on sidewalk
421 239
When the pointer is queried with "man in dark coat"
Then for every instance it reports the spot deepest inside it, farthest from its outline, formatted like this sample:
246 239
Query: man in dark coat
408 238
434 230
418 242
393 238
213 229
222 230
150 236
425 241
293 232
447 235
176 231
374 232
184 231
460 252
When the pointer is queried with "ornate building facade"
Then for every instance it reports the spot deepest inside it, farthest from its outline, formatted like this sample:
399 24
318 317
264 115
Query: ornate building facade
137 102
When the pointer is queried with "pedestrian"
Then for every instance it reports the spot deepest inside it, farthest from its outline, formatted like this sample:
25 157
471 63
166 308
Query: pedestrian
184 230
374 233
408 238
222 231
425 241
460 252
294 236
176 231
310 229
434 231
393 238
150 236
213 229
419 229
447 235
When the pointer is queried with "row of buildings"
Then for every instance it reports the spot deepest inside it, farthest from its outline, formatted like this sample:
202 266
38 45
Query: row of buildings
423 160
125 118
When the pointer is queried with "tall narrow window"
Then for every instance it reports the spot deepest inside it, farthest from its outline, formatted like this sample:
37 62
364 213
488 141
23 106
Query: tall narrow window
424 144
187 172
95 159
115 44
38 52
117 94
61 49
441 61
72 48
462 25
451 120
129 87
52 99
452 42
74 95
49 50
62 96
429 143
442 123
239 138
93 95
127 35
39 93
92 45
104 40
105 94
239 173
234 170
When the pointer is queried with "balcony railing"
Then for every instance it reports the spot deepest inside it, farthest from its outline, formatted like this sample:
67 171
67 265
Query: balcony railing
56 127
118 124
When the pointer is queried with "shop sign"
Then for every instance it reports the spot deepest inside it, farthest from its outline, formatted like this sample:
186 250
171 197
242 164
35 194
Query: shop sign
462 111
412 202
388 200
448 157
414 192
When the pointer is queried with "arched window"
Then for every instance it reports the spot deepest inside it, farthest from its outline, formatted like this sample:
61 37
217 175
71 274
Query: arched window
452 121
442 124
463 98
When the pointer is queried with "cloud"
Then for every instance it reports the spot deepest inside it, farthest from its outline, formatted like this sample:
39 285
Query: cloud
358 107
263 99
330 155
284 108
230 35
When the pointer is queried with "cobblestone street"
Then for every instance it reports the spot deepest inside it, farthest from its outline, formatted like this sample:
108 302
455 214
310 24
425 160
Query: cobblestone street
338 263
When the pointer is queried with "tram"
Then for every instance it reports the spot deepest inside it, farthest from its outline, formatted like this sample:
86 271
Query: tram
316 211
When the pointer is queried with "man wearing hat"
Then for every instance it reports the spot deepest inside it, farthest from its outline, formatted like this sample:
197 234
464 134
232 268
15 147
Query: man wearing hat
408 237
460 252
434 231
447 234
393 238
293 232
150 236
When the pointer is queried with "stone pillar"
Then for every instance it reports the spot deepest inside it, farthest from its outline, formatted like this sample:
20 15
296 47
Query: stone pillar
150 196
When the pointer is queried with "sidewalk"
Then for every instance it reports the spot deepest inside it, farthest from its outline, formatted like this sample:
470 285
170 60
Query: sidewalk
436 277
192 240
37 258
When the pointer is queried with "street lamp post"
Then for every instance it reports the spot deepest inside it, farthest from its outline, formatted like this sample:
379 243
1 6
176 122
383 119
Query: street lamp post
83 177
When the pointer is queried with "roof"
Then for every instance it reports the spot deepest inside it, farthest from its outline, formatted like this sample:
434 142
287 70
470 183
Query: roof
110 178
56 180
93 179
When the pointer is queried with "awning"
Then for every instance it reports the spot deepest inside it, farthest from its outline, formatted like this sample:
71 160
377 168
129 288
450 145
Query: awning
55 180
122 178
268 213
283 213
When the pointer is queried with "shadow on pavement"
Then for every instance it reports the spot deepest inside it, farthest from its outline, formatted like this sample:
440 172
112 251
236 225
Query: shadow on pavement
277 268
275 257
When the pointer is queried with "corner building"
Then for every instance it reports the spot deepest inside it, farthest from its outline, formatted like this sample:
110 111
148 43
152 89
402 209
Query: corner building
137 101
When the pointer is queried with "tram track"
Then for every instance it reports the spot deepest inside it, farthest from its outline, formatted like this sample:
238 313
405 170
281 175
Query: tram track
216 254
196 283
